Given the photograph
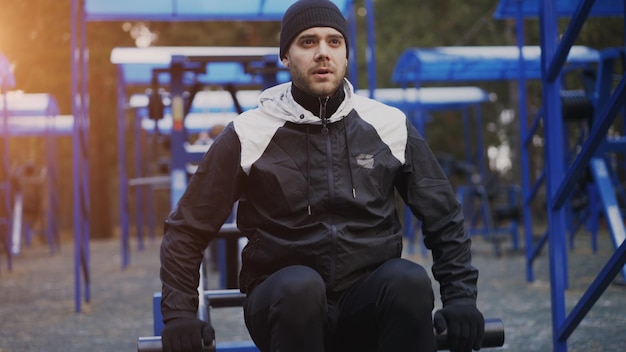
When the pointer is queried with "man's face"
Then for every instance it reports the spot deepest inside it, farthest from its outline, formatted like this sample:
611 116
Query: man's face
317 60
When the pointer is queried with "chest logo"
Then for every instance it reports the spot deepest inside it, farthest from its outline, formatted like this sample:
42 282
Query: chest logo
366 161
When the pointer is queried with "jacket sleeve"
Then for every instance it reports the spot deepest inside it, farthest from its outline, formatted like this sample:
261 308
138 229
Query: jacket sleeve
198 216
428 193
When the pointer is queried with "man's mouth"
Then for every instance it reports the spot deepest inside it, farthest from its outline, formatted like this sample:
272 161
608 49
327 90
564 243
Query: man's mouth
322 72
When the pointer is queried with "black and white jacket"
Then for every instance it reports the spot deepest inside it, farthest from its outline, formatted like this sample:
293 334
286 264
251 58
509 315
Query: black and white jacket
315 191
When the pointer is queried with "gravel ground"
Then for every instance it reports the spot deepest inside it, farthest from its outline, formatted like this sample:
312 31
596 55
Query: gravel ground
37 306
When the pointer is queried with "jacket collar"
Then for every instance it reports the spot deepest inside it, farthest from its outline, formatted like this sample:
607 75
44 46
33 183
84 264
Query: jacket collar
312 103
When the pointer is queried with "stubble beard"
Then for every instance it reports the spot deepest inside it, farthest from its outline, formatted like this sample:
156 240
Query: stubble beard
307 83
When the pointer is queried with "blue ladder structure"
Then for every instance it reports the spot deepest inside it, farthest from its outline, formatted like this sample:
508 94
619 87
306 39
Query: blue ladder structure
417 66
561 178
7 81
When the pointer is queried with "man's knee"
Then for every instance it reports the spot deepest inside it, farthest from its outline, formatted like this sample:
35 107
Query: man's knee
409 281
300 280
299 287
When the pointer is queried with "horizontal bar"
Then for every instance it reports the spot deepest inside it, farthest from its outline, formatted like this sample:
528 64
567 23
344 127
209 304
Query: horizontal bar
494 337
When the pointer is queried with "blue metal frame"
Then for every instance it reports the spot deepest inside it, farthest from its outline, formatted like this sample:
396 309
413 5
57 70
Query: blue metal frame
562 8
35 115
7 81
192 10
560 177
80 157
490 63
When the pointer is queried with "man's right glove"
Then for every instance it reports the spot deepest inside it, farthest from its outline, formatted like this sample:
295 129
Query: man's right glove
188 335
465 325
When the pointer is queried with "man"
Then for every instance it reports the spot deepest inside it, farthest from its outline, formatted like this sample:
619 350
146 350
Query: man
315 170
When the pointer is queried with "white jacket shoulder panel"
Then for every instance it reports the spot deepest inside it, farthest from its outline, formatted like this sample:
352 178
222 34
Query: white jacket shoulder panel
390 122
255 131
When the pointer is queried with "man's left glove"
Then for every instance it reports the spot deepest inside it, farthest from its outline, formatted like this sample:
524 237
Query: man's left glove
465 325
187 334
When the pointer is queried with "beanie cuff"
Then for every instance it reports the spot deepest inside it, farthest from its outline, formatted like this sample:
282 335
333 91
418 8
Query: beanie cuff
306 14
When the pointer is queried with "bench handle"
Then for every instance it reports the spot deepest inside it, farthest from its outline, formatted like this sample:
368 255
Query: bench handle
494 337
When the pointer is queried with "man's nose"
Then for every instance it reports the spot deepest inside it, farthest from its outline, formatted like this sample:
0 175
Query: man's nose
323 51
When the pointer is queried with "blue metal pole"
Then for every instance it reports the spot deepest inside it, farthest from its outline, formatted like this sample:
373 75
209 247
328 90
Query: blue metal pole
480 141
140 207
524 152
75 160
555 169
353 67
84 105
123 178
178 159
7 183
371 47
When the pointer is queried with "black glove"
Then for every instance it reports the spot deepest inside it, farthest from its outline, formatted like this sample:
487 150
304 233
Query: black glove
187 334
465 325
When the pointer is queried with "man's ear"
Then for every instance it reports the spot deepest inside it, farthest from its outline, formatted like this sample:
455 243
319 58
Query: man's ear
285 61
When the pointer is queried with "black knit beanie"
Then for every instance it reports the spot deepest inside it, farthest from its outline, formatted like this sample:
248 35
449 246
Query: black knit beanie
304 14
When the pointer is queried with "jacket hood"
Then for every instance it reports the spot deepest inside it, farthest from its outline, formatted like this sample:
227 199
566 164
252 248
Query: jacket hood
277 101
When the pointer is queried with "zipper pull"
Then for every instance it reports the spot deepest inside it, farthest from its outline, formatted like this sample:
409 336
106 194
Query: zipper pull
323 102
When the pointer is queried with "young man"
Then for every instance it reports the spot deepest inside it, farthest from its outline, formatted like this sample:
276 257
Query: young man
315 170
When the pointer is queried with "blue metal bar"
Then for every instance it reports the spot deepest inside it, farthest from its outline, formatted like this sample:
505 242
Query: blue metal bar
575 25
604 81
536 249
613 145
555 169
480 148
140 205
84 119
467 138
532 192
354 68
75 172
597 136
527 138
178 171
80 167
123 178
610 206
6 184
595 290
370 51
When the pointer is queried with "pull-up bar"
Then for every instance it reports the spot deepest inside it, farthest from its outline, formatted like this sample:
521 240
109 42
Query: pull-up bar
477 63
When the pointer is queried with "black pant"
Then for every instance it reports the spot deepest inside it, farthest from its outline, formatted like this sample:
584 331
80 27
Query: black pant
389 310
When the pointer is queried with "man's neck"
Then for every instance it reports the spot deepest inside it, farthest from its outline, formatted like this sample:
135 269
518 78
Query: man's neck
312 103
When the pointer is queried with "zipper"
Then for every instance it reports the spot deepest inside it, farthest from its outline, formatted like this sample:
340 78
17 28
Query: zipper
331 190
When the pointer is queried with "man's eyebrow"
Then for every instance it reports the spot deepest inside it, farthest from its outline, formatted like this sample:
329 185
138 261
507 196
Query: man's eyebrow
315 36
307 36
